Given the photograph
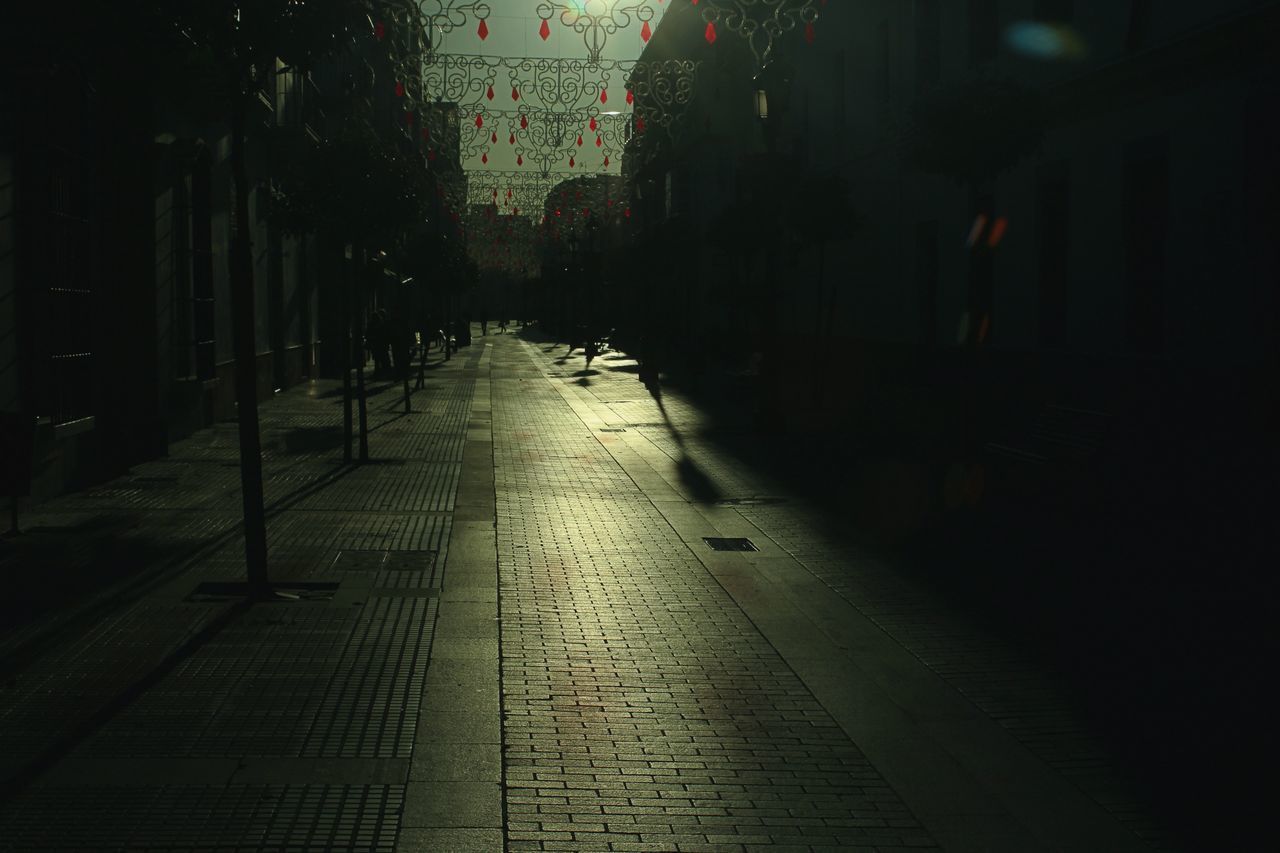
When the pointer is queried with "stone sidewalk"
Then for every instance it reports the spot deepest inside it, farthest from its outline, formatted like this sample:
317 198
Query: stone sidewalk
511 632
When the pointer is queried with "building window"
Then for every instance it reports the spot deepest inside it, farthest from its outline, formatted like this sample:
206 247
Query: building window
1139 24
1145 204
1053 200
928 45
57 299
926 257
1057 11
841 96
984 31
882 66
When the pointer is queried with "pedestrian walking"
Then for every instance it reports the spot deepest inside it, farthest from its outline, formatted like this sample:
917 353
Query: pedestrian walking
502 327
377 339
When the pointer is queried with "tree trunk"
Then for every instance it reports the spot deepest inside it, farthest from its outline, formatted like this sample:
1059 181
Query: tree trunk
242 314
364 409
347 431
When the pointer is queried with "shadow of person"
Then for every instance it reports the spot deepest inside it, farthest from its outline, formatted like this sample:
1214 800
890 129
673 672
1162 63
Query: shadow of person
583 381
587 372
701 487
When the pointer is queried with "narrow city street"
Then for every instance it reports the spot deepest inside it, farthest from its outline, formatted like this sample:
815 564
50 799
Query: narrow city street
513 629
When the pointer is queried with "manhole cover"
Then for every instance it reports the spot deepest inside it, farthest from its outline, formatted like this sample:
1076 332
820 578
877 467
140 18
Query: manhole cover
721 544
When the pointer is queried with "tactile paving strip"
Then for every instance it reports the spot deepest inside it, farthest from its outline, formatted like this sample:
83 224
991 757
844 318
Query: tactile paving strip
288 679
253 690
417 487
370 709
205 818
50 698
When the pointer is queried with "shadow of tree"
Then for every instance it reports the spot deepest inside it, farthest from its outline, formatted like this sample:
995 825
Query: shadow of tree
312 439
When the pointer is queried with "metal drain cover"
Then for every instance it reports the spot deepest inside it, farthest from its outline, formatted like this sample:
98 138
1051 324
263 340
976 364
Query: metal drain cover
287 591
355 559
613 429
751 501
721 544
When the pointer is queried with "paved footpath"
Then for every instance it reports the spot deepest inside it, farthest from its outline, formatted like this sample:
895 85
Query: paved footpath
509 632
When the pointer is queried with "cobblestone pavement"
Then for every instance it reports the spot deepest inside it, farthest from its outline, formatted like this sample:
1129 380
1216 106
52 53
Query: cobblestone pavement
508 632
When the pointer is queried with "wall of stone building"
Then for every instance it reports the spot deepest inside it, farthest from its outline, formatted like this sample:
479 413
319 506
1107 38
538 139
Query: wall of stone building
10 394
868 54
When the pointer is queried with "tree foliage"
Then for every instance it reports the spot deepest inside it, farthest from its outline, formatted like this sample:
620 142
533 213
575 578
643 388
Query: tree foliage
353 185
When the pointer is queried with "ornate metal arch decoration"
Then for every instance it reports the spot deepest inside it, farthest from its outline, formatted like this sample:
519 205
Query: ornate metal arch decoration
760 22
596 20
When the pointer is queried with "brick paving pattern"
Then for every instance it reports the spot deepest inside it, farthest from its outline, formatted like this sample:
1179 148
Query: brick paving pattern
997 677
642 710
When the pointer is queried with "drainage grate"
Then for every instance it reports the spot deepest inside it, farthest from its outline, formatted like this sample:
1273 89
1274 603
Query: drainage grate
284 591
750 501
352 559
721 544
613 429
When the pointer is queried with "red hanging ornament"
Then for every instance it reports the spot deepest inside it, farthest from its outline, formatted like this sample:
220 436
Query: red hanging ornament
482 30
645 32
489 94
379 31
431 155
426 133
631 97
627 213
512 140
571 162
519 159
544 30
599 140
479 120
639 125
515 93
524 121
484 158
579 140
606 160
592 123
493 137
408 118
808 32
604 96
710 34
399 89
